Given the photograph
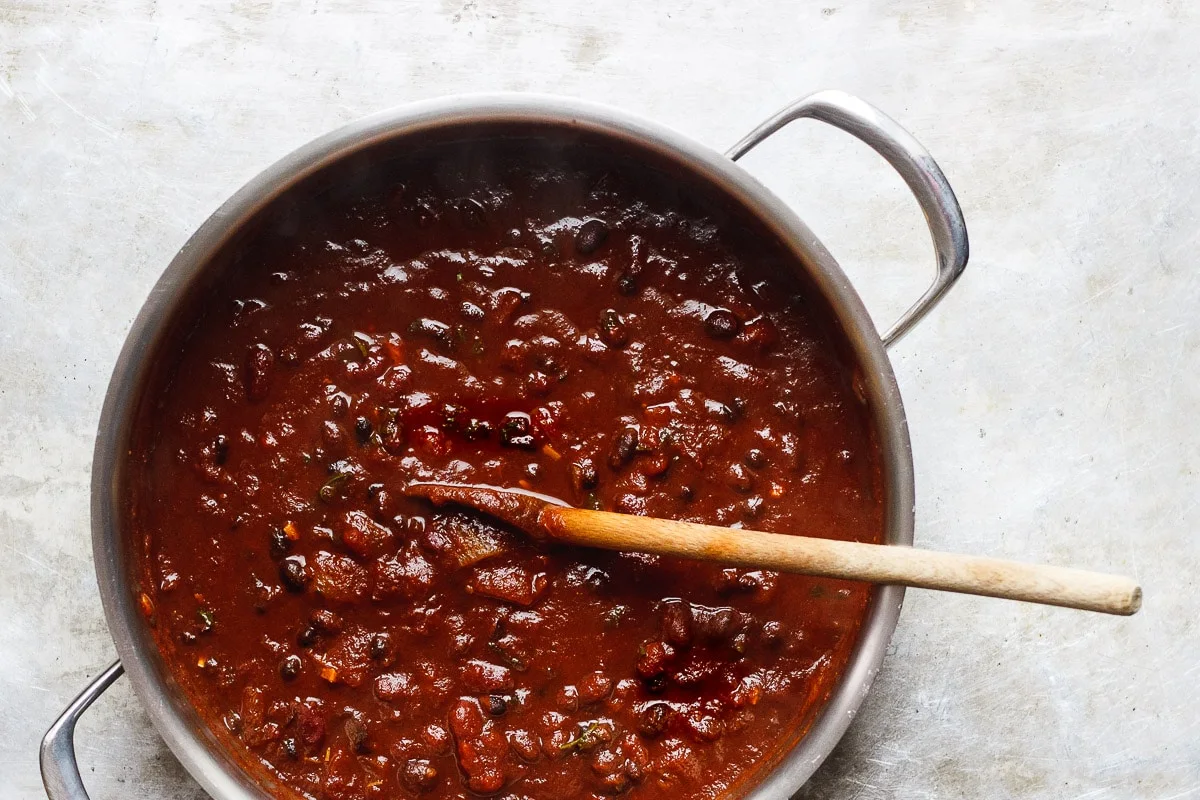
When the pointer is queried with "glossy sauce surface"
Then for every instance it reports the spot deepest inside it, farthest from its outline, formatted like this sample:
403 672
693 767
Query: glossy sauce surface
583 327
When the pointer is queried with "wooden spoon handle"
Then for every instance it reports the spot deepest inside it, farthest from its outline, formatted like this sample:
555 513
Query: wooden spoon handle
830 558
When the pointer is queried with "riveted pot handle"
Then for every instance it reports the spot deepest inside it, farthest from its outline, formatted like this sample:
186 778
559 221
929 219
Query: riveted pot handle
918 169
60 770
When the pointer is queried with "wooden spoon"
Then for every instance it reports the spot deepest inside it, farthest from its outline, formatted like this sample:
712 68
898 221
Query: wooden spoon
546 518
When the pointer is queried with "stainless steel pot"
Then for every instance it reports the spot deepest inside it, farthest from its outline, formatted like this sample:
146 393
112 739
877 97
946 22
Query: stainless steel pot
211 765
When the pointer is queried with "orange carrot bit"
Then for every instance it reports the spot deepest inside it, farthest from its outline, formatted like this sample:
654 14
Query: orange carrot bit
776 491
524 484
147 605
550 451
330 674
290 531
201 662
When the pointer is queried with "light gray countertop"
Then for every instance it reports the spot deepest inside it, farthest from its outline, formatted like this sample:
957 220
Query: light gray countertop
1054 398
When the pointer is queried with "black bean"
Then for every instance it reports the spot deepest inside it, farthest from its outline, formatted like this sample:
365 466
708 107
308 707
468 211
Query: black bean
656 683
307 636
187 637
624 446
290 668
613 331
281 545
584 476
434 329
380 644
383 503
356 734
589 236
538 384
772 633
595 578
290 748
755 458
334 438
220 449
739 478
473 212
476 430
339 404
452 416
516 432
325 621
419 775
721 411
626 285
393 437
754 506
721 323
363 430
294 574
426 213
653 719
687 493
496 704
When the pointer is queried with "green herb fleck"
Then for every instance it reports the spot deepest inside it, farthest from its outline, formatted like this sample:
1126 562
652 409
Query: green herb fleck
206 619
332 487
589 738
364 343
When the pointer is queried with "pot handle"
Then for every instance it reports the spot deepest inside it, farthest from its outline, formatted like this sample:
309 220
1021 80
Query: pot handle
868 124
60 770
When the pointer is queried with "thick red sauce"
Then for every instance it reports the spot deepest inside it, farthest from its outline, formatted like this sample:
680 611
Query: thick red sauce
583 327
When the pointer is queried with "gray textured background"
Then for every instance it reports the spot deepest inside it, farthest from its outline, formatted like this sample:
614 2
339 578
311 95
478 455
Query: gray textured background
1053 398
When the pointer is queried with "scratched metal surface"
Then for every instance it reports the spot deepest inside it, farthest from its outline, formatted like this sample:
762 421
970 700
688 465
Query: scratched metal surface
1053 398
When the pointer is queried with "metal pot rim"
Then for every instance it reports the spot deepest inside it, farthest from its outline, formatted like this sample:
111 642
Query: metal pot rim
208 762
